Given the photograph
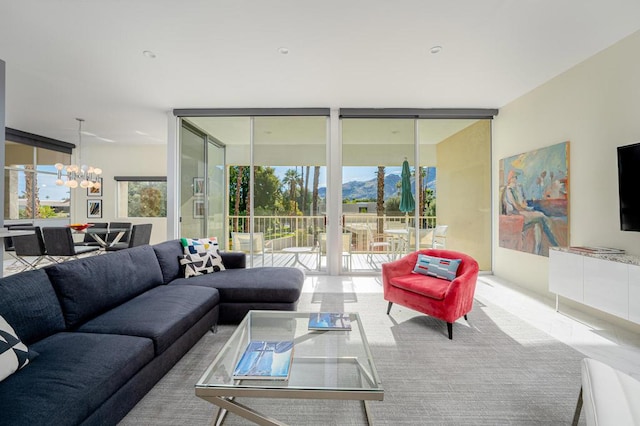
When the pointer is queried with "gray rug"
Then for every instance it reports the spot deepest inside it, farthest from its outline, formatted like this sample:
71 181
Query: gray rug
497 370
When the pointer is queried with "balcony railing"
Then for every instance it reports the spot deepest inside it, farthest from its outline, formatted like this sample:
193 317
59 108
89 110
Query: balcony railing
302 231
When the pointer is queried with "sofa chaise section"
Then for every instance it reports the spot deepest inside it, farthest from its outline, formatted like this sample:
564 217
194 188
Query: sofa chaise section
241 289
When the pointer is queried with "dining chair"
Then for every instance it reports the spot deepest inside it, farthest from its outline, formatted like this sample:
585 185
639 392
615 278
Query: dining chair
31 248
8 243
88 240
140 235
59 245
119 225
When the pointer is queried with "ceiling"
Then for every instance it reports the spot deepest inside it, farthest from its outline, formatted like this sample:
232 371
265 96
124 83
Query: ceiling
84 58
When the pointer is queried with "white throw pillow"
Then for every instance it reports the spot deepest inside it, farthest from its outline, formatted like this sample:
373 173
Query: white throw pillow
13 353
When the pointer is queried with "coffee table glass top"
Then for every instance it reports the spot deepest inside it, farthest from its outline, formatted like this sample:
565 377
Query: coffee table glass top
332 360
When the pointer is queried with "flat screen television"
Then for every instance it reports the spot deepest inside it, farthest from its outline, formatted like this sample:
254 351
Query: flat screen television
629 186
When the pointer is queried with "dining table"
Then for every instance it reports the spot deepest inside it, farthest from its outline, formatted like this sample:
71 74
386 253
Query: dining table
98 233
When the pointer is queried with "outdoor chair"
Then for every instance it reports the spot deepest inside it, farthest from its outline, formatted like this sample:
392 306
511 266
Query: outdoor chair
88 240
59 244
31 249
241 241
439 240
346 249
431 295
140 235
377 244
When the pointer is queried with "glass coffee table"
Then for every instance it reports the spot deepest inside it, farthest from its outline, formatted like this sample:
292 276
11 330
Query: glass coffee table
331 364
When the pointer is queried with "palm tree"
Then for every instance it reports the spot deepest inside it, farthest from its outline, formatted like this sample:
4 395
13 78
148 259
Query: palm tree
236 211
305 193
316 179
380 200
291 179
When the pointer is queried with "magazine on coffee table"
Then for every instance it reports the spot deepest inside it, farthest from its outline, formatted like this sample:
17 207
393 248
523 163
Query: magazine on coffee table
262 359
329 321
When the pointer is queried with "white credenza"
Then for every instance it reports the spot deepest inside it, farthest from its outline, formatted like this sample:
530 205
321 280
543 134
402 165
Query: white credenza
610 283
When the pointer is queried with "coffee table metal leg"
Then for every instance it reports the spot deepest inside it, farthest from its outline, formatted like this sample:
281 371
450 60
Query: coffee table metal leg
368 417
243 411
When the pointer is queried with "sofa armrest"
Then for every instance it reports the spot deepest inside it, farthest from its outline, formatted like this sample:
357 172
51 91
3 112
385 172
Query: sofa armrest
233 259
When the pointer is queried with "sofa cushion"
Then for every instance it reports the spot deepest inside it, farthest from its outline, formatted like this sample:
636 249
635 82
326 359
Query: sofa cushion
427 286
90 286
265 284
73 375
14 354
29 304
162 314
437 267
201 263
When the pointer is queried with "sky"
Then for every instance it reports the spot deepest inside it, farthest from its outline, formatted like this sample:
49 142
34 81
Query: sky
49 191
349 174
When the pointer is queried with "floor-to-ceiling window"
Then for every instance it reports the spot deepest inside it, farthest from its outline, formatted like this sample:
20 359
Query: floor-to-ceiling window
277 167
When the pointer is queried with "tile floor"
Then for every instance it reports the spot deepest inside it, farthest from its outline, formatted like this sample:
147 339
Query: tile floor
594 337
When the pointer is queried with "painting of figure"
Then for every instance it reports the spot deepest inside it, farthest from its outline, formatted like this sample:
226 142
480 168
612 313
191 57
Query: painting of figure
534 200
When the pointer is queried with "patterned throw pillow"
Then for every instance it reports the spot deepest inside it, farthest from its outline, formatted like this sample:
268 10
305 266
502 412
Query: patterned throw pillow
201 256
199 245
437 267
13 353
201 263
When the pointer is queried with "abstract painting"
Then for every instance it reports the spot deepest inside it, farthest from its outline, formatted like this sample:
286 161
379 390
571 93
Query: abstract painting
534 200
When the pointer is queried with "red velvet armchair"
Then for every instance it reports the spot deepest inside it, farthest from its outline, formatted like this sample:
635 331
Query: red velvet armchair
439 298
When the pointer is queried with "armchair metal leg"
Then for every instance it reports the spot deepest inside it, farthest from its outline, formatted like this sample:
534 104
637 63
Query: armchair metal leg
389 307
465 317
576 416
450 330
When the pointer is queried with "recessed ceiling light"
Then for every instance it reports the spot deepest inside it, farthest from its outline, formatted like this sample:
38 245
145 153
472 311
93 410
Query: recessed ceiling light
435 49
149 54
283 50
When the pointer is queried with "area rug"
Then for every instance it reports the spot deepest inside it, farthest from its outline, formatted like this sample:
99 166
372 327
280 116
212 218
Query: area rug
497 370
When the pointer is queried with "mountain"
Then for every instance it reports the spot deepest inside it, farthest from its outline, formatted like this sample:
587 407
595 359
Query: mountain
360 190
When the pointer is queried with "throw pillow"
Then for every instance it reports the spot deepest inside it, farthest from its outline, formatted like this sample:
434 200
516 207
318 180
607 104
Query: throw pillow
13 353
199 245
437 267
201 263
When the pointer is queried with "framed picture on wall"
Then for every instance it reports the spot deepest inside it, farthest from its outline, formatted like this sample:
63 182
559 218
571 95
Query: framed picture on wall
94 209
198 209
95 192
198 187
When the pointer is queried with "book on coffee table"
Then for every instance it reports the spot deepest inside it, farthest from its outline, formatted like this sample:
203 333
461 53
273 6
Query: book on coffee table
329 321
263 359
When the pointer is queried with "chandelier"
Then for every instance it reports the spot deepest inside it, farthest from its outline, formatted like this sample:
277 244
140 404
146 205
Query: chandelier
83 176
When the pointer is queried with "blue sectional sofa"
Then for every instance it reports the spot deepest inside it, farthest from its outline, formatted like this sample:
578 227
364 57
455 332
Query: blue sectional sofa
103 330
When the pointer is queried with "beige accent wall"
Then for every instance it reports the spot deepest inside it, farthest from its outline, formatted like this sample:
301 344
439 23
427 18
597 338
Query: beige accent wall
596 106
121 160
464 188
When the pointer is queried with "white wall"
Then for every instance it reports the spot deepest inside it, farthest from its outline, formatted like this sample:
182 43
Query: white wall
121 160
595 106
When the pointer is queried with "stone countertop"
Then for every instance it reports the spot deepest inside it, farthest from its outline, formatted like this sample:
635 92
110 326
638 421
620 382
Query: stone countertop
622 258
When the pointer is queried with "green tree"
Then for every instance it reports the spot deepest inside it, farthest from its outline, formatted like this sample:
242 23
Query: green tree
267 195
316 181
